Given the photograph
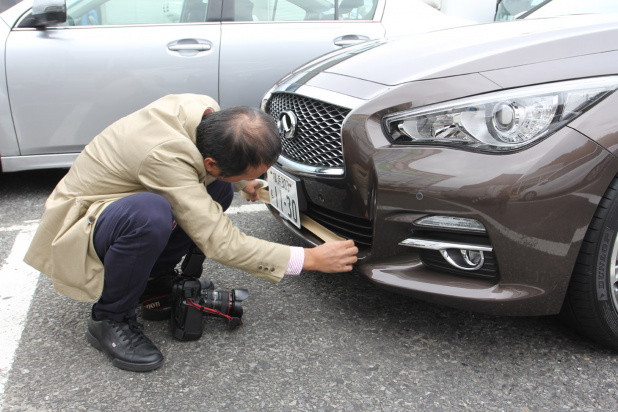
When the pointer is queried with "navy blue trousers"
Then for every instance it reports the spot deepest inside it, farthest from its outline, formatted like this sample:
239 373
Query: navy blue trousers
136 238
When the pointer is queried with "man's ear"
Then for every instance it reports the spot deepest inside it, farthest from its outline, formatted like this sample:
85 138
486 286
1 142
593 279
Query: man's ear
211 166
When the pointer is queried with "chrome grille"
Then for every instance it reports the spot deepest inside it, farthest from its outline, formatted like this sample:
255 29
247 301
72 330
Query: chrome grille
317 140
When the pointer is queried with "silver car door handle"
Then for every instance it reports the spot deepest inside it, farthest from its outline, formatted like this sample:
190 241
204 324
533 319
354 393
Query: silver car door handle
195 47
189 47
350 40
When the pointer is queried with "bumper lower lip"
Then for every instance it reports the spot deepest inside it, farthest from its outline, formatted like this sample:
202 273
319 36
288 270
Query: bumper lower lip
408 277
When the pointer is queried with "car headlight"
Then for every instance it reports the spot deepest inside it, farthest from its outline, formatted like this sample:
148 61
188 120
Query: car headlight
499 121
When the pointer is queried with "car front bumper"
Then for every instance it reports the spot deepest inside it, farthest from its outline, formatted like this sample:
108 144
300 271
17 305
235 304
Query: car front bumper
534 242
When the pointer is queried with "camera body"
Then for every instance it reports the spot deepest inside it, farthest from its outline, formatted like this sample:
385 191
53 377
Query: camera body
192 298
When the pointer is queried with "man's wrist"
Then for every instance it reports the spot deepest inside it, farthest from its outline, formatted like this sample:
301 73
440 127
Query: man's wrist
296 262
309 263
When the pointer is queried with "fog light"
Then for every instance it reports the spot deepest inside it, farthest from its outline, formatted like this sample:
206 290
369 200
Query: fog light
464 256
473 257
465 259
450 222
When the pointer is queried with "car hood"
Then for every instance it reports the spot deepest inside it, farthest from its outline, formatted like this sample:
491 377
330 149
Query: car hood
469 49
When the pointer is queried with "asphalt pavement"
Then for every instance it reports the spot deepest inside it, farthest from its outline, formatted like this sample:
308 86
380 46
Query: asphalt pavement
316 342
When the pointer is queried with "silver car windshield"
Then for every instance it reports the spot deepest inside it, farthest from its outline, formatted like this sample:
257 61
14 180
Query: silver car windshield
533 9
512 9
569 7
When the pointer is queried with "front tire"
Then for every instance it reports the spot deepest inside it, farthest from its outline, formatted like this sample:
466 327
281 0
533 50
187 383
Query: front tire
591 303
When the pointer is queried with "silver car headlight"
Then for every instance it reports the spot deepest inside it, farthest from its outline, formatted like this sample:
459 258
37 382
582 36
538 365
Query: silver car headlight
499 121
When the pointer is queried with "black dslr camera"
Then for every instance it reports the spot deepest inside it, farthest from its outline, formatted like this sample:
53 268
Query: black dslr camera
193 297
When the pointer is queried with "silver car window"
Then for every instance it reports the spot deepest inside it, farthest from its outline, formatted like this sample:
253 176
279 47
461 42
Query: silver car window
510 9
123 12
303 10
566 7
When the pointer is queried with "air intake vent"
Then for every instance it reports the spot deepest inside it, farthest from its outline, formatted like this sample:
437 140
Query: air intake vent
358 229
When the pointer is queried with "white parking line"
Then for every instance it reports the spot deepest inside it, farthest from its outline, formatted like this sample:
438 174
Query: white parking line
18 228
17 284
248 208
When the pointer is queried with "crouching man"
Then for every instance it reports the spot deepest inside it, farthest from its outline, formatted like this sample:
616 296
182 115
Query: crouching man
143 192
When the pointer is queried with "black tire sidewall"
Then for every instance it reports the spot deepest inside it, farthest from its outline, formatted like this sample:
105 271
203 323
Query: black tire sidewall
588 306
603 264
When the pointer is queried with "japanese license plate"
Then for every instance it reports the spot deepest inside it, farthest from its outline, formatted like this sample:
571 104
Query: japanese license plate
284 195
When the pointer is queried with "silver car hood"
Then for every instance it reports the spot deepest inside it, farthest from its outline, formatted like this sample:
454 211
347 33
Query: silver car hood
463 50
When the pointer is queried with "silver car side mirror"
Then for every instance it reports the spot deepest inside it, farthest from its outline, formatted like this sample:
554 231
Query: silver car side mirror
49 12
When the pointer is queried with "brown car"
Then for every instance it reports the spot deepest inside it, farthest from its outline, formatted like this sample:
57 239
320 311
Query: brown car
474 167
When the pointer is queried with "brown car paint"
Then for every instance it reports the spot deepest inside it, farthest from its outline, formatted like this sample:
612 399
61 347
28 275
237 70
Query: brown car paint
535 202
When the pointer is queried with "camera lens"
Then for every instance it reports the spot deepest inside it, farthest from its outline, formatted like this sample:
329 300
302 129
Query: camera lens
225 301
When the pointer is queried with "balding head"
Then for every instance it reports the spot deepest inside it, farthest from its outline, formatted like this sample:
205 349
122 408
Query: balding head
237 138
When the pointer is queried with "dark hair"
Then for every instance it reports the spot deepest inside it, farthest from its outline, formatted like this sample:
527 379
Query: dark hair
237 138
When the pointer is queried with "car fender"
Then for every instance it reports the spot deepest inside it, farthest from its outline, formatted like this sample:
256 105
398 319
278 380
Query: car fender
8 138
600 123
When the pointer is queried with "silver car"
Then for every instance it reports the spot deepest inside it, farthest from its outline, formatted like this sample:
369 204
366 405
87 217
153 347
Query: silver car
72 69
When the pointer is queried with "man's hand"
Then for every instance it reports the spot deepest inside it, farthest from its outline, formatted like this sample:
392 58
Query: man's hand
252 189
331 257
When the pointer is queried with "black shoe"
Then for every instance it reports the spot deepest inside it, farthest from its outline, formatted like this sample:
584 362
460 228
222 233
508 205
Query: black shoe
125 343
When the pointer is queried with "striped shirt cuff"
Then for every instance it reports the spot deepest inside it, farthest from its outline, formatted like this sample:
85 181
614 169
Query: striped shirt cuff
296 262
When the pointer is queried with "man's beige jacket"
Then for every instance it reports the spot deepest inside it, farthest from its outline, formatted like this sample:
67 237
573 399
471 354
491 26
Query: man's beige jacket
151 150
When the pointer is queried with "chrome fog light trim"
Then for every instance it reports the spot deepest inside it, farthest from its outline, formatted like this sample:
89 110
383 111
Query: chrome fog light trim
459 255
440 245
451 222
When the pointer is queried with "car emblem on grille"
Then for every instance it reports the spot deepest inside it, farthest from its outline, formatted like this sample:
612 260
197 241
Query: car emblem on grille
287 125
